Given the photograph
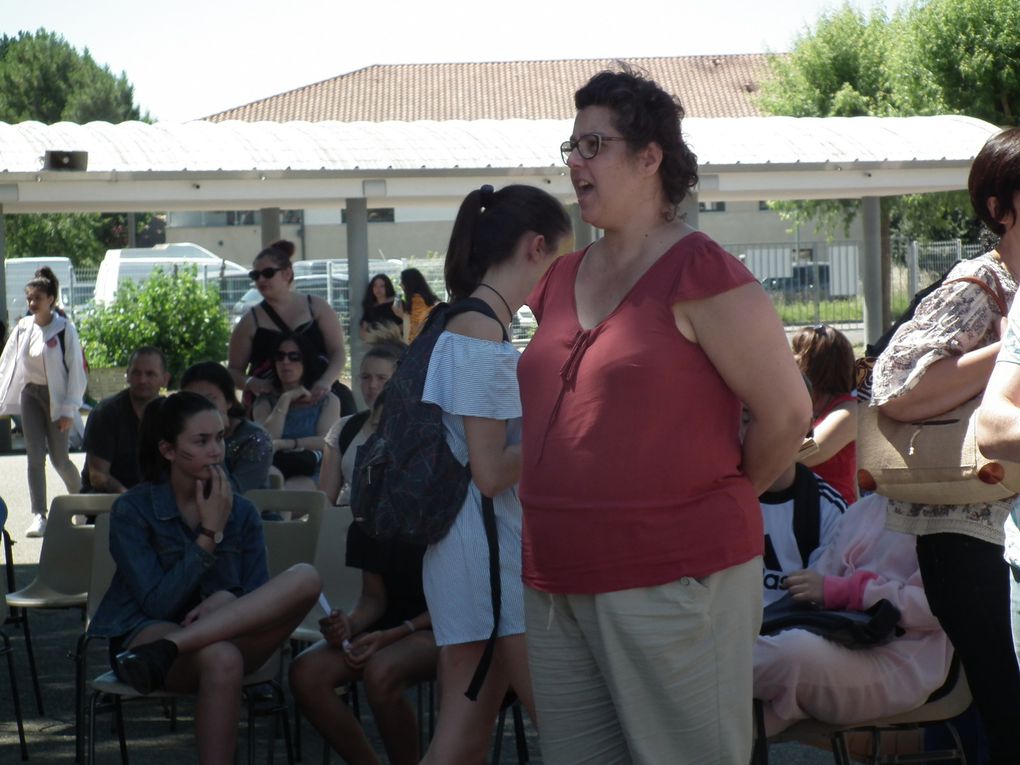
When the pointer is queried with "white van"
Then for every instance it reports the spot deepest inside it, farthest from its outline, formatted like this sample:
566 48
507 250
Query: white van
19 271
137 263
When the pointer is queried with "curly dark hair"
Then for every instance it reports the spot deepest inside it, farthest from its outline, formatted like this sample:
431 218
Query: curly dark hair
644 113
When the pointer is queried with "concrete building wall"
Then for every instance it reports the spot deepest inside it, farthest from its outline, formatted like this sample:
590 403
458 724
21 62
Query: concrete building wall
418 231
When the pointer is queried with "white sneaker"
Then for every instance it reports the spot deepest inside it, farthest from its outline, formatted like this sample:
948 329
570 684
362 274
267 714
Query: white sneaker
37 527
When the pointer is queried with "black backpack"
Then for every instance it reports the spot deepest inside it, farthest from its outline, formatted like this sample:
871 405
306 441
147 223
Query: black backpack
407 484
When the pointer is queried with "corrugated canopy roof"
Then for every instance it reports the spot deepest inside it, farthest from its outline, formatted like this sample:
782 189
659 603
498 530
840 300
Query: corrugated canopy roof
424 153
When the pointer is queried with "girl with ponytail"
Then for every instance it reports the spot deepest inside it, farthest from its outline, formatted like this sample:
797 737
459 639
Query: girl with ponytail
42 378
502 243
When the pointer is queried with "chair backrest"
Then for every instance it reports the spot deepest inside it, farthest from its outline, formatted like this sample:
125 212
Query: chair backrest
287 502
65 560
290 542
340 584
103 565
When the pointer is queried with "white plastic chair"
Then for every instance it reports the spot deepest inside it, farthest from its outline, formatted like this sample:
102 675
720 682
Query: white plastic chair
943 705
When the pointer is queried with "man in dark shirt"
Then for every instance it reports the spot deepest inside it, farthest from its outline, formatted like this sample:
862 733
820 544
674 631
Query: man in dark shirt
111 434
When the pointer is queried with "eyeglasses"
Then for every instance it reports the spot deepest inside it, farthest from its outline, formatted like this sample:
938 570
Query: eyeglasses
587 145
821 329
265 273
292 356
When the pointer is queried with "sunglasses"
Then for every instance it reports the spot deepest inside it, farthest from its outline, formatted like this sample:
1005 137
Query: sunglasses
292 356
265 273
587 145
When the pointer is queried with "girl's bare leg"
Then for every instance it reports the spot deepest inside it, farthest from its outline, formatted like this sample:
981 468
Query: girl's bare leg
214 673
465 726
386 678
314 676
258 622
512 655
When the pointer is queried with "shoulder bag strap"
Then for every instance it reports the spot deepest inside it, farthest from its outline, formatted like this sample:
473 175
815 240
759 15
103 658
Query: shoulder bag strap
350 429
272 314
996 294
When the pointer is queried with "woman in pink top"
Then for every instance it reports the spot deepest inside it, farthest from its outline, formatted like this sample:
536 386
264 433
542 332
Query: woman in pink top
642 531
826 359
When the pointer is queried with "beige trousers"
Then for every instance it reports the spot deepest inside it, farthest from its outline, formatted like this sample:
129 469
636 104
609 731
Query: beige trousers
649 676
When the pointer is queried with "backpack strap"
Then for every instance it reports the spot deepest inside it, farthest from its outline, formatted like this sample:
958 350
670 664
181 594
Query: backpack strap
350 429
469 304
63 348
807 512
496 587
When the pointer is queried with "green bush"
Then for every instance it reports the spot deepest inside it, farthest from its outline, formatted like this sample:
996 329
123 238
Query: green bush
174 312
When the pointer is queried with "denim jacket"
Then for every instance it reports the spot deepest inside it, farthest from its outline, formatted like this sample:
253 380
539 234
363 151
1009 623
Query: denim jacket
162 572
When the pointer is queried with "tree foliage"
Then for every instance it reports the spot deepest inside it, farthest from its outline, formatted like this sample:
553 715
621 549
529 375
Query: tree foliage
43 78
173 311
935 57
960 57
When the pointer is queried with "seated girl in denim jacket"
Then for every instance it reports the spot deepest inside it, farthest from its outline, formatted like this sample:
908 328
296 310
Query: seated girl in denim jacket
190 607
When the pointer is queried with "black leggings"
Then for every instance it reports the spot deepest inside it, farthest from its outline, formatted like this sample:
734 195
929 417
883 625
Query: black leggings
967 584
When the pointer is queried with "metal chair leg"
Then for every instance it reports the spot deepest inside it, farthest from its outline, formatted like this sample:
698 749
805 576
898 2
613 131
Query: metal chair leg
27 632
18 716
519 737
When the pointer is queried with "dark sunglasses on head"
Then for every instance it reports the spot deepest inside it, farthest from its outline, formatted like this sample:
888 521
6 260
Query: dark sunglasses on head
266 273
587 145
288 356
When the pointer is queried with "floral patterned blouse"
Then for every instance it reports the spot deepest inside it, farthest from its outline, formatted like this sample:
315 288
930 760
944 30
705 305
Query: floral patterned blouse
956 318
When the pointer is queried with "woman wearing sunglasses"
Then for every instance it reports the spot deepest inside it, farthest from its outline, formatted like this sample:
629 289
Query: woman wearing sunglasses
296 420
642 531
283 311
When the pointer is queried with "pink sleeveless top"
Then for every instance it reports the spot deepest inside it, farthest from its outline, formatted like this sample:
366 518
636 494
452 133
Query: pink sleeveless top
631 457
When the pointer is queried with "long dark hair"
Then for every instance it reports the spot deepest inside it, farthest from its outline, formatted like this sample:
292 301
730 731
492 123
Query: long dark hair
644 113
413 283
311 364
163 420
368 303
488 226
216 374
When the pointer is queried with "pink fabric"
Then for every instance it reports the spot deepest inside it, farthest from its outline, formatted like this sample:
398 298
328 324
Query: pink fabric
800 675
631 457
840 470
846 593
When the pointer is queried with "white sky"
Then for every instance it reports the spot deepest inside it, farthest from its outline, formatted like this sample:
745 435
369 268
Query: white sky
187 59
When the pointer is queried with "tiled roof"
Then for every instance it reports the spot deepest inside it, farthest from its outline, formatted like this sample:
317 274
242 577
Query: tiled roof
708 86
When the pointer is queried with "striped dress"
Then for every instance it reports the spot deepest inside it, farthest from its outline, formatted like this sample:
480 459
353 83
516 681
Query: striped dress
478 378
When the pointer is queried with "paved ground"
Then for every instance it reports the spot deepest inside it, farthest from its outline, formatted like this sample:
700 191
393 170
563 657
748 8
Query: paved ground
51 736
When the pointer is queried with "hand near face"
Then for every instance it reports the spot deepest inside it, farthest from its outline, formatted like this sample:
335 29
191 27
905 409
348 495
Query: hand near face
318 392
214 509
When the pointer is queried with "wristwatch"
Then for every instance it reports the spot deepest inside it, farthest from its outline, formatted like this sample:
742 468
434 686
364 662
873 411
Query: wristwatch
215 536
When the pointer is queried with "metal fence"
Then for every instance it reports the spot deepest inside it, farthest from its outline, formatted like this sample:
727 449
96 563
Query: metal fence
809 282
818 282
